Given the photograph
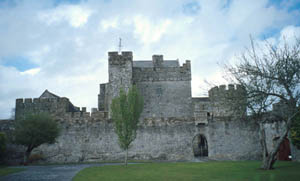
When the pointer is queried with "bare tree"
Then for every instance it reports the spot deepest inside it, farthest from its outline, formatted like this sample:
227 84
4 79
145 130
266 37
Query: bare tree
270 74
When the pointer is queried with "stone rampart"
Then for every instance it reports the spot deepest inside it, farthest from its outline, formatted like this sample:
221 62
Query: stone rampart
92 140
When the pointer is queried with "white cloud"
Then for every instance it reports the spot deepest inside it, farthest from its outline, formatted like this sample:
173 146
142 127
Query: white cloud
75 15
109 23
33 71
289 33
149 32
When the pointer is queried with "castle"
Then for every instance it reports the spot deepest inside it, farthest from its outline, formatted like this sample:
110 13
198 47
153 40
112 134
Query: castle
174 125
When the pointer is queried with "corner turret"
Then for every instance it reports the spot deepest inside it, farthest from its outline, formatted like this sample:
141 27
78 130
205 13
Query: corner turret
228 100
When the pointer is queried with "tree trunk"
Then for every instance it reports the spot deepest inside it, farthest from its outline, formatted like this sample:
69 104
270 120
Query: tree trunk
126 156
26 156
269 158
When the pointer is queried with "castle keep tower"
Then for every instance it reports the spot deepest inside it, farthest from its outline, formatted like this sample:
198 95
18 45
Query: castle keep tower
164 84
120 76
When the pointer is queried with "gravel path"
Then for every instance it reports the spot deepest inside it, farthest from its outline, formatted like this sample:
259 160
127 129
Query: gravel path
46 173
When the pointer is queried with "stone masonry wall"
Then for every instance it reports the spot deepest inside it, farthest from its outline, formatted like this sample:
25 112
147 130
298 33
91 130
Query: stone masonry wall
157 139
120 74
87 138
166 99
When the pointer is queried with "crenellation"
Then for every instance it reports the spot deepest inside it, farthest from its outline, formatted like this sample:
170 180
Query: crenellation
114 58
227 100
36 100
77 114
157 60
127 54
28 100
86 115
99 115
222 88
231 87
182 73
19 101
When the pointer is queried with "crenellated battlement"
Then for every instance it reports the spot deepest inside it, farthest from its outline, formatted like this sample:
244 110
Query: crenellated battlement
180 73
60 108
86 116
114 58
228 100
224 91
57 105
21 101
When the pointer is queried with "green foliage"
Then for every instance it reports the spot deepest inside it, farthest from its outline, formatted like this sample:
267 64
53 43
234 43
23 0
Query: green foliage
36 129
2 144
295 131
126 110
216 171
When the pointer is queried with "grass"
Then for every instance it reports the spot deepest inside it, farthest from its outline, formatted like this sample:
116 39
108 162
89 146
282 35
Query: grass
5 170
231 171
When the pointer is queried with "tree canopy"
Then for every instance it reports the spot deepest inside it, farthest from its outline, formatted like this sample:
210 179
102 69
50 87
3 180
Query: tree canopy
35 130
126 110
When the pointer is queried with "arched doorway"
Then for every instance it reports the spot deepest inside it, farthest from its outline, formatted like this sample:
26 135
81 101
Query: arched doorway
200 147
284 152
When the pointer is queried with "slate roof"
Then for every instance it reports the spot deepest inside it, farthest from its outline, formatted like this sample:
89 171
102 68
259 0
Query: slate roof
47 94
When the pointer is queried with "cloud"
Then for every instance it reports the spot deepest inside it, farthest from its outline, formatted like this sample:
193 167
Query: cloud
68 42
33 71
149 32
75 15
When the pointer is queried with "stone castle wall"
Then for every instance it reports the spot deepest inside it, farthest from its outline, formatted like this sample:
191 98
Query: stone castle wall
92 139
166 99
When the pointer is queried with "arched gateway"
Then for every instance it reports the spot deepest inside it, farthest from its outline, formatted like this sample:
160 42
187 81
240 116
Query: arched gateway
200 147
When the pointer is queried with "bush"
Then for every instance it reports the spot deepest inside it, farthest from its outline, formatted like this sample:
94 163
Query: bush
35 130
35 157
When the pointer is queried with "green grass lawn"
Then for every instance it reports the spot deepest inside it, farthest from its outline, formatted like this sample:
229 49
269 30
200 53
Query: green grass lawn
5 170
245 170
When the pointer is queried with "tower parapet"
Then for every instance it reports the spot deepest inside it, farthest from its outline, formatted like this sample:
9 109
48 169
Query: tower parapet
114 58
228 100
161 73
157 60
